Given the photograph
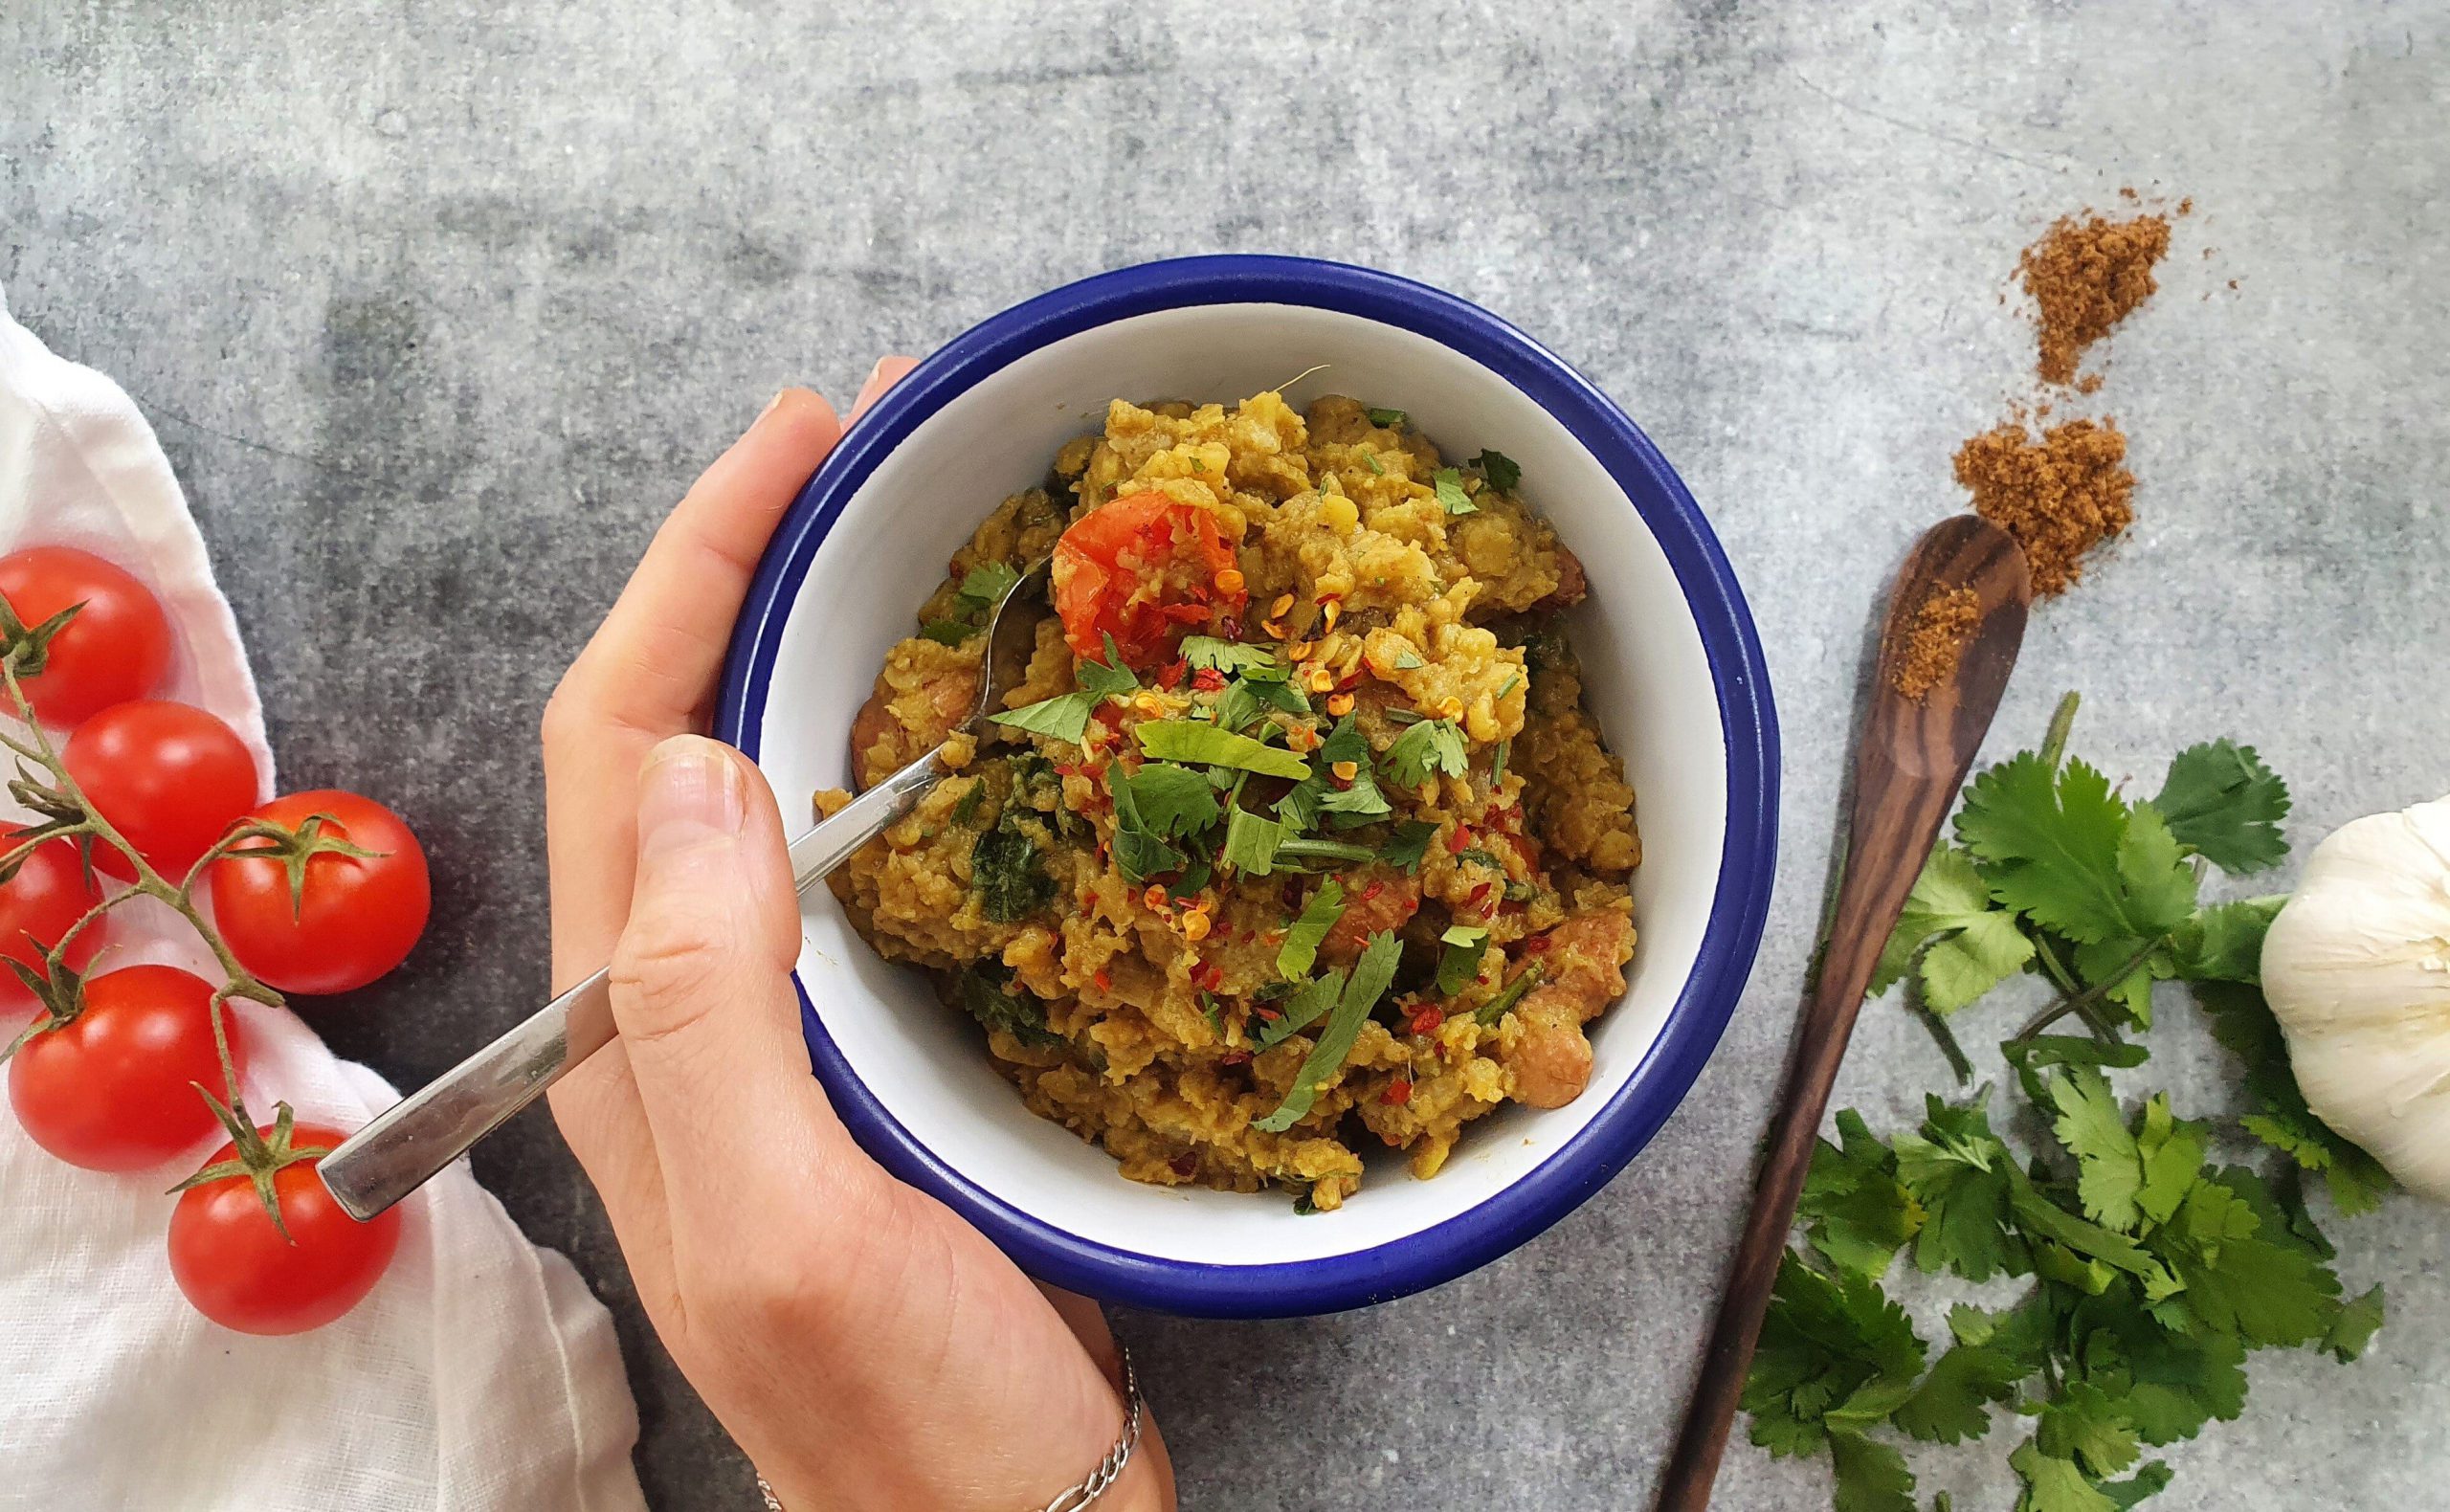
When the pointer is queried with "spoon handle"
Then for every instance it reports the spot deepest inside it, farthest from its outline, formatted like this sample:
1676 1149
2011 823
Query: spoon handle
404 1146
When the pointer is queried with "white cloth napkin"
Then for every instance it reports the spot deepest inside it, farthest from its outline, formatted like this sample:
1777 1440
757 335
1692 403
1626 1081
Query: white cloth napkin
478 1374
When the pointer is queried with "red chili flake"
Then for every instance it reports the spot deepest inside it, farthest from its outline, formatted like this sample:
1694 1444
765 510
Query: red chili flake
1208 679
1185 613
1207 974
1185 1164
1459 839
1427 1020
1066 770
1526 848
1104 980
1350 680
1234 1058
1474 896
1269 1013
1372 890
1537 944
1169 677
1397 1094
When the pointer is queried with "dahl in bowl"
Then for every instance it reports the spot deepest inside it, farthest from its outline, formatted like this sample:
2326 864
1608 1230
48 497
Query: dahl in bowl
1296 837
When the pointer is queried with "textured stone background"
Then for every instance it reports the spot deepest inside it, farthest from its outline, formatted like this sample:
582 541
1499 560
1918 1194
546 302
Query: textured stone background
438 306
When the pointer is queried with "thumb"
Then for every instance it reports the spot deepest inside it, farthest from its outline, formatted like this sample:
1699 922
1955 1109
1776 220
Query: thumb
701 982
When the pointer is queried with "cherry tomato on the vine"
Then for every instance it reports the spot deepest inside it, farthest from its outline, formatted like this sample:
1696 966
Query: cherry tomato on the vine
111 1089
50 893
116 648
306 918
239 1271
170 776
1147 569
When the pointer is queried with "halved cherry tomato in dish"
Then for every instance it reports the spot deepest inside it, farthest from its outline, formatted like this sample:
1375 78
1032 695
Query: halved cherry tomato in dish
168 776
116 648
114 1088
1146 570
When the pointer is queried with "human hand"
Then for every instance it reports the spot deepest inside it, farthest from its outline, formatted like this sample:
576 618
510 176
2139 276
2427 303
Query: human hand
864 1346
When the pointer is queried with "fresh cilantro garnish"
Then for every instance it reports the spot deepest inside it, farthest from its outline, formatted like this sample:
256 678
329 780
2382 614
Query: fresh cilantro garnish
1408 844
1190 741
1250 695
947 632
1302 1010
966 807
1355 802
1370 460
1408 661
981 589
1251 843
986 993
1006 873
1497 764
1226 656
2150 1271
1177 802
1432 746
1388 419
1493 1012
1065 717
1450 496
1300 950
1460 965
1368 982
1500 470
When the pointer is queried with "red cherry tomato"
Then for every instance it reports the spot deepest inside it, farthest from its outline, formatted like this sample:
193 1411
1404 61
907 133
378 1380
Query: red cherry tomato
1146 570
354 918
239 1271
170 776
116 648
49 892
109 1090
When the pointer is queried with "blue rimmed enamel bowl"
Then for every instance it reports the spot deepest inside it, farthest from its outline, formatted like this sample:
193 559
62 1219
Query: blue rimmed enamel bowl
1673 670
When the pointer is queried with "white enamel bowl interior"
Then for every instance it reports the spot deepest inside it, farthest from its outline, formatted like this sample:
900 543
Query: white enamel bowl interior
1646 678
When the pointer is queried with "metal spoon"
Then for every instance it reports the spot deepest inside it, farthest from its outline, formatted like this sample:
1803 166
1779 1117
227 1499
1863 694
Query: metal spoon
435 1125
1909 761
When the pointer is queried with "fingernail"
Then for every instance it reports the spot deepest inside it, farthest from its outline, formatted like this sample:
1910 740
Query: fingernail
689 793
773 404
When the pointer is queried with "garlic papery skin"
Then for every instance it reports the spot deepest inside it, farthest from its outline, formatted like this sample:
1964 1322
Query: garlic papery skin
2357 970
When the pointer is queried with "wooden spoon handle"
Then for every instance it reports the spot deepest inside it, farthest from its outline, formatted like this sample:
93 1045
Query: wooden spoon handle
1908 765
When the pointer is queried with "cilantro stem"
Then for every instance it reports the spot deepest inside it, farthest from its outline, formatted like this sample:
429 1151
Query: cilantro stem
1325 850
2081 1001
1944 1035
2063 719
2072 992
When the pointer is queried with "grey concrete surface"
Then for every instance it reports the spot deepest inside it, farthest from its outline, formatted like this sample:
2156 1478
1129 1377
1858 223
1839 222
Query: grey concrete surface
438 304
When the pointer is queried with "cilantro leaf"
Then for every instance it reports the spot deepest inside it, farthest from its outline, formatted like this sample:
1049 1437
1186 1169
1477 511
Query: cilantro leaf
1968 943
1303 937
1853 1209
2051 844
986 584
2110 1172
1251 842
1431 745
1170 801
2086 1426
2243 1022
1407 845
1460 965
1871 1477
1006 874
1140 850
1500 470
1952 1402
2158 883
1823 1341
1957 1169
2052 1484
2225 941
949 632
1371 976
2169 1385
1192 741
2353 1326
2236 1279
1212 654
1450 492
2225 804
987 993
1302 1008
1388 419
1065 717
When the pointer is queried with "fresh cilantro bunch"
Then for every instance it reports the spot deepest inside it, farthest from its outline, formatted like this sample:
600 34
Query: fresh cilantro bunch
2152 1269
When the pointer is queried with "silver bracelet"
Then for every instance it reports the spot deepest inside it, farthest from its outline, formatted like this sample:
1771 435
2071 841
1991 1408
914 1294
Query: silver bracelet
1108 1471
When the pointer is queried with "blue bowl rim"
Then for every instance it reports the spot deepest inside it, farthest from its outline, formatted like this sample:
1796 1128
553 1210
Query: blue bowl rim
1730 644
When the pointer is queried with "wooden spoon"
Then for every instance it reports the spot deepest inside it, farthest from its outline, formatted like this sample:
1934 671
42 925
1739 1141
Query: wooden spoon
1908 765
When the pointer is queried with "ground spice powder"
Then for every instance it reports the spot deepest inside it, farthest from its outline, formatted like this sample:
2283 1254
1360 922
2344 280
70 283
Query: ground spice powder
2060 493
2086 275
1942 625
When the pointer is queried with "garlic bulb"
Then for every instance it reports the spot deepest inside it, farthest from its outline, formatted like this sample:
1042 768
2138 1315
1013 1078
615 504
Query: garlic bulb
2357 970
